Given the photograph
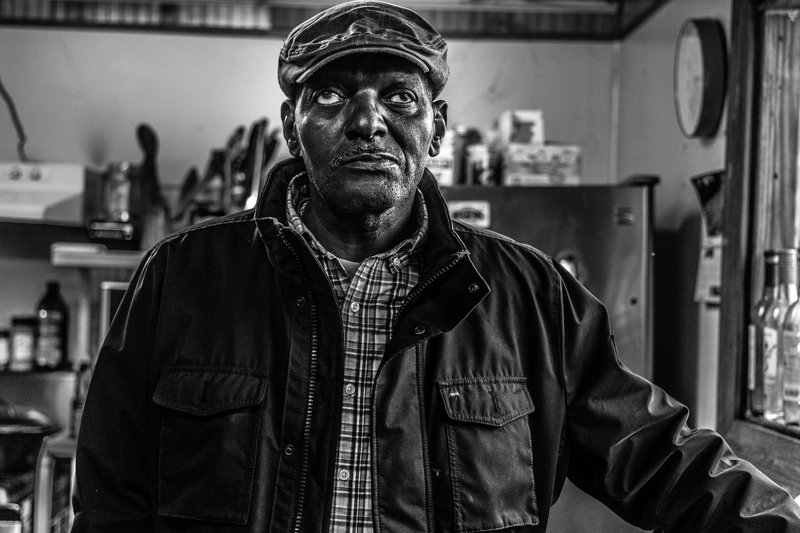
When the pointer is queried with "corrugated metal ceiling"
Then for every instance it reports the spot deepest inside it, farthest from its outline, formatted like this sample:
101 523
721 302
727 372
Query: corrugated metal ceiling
490 19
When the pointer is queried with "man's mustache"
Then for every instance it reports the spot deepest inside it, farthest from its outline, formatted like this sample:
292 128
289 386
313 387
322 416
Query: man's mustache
359 150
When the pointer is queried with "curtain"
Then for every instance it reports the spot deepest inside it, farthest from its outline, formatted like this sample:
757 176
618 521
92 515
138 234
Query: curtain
777 215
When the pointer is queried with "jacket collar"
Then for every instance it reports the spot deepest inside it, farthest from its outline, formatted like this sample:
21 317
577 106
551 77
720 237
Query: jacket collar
444 257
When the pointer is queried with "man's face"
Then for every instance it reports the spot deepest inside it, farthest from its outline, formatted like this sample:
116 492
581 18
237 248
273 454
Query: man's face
364 126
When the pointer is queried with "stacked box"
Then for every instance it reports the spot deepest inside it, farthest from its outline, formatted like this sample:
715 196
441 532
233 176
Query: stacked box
542 164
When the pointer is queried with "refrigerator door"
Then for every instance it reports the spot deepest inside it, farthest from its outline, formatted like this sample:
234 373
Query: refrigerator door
600 233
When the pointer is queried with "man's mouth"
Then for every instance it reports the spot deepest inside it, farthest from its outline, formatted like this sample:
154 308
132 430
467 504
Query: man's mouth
371 160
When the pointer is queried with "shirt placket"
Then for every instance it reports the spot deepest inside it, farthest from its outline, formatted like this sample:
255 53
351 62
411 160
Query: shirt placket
364 338
367 303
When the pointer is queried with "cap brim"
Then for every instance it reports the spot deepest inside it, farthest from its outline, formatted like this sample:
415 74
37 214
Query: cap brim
310 70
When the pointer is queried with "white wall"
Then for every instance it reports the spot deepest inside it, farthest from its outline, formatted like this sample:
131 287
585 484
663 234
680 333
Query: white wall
80 94
650 140
571 82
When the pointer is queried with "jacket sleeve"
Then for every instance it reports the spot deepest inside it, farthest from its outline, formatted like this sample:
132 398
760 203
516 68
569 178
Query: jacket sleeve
630 447
112 490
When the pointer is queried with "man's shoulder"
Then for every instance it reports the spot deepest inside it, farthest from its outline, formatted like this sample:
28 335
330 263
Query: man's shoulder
188 241
212 225
483 240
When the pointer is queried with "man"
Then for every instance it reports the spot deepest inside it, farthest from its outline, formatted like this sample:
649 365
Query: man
346 358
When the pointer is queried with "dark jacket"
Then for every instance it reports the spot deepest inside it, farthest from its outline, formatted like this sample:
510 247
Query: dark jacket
215 402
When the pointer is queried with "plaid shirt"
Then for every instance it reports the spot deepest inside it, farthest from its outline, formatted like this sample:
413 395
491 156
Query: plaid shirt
368 303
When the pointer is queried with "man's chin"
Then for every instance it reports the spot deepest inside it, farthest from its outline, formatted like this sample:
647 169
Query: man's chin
364 205
366 195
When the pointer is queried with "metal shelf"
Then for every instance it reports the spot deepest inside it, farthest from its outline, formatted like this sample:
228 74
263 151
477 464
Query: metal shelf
87 257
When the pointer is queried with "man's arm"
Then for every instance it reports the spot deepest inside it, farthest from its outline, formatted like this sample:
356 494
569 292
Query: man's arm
631 449
112 467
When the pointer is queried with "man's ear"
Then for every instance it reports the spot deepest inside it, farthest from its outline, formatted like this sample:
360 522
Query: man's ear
439 127
289 132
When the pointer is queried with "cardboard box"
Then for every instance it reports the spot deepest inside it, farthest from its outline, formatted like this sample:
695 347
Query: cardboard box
542 164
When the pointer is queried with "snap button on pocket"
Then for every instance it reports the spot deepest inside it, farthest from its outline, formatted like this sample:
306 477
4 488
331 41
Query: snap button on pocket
473 287
490 451
420 330
301 301
288 449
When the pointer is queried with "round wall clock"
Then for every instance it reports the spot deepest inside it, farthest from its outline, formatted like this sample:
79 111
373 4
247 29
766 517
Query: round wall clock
700 76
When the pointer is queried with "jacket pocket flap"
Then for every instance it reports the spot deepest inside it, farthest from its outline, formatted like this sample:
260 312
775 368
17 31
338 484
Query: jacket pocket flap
493 401
204 392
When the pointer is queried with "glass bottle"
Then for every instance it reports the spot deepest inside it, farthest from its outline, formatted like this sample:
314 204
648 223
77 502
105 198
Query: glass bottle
758 315
787 294
5 349
23 339
52 318
118 191
790 364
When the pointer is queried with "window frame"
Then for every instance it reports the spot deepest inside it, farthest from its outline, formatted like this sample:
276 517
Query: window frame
773 451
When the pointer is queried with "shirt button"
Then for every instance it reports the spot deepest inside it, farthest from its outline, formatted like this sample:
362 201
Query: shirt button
355 307
395 263
350 389
288 449
344 475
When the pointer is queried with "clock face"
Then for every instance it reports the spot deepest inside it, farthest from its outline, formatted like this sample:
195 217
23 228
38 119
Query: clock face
689 81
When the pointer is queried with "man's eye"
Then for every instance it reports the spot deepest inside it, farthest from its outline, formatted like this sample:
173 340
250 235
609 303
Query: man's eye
328 97
402 97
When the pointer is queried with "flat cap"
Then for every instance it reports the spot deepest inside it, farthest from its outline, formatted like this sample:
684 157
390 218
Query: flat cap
362 26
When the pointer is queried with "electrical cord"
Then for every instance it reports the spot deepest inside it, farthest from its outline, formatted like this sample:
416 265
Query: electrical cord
12 109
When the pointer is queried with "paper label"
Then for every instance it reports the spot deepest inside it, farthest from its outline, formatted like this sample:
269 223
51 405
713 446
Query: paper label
770 358
791 372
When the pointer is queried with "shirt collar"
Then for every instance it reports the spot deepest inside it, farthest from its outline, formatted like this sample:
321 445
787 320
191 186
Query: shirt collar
297 197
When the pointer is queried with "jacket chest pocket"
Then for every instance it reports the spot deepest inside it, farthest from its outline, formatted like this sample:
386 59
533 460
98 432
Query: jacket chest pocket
491 453
209 438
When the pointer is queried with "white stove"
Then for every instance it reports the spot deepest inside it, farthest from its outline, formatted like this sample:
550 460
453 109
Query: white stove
42 192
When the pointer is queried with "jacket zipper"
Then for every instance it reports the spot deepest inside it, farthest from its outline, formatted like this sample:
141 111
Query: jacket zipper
312 378
412 295
313 365
418 289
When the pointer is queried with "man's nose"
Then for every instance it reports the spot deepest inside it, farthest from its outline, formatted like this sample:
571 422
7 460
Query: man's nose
365 119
